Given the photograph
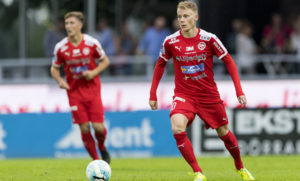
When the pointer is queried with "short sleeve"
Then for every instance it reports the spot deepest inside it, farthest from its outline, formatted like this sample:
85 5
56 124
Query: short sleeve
99 52
218 48
57 58
165 52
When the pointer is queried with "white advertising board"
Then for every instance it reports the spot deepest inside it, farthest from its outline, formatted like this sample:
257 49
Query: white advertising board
135 96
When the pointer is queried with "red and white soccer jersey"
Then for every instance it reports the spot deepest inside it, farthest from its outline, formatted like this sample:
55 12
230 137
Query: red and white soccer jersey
77 59
193 64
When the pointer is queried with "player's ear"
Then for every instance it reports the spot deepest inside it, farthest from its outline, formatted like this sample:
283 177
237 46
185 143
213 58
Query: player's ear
196 17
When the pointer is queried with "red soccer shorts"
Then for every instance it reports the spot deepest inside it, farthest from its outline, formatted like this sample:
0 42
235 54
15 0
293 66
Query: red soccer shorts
213 115
85 111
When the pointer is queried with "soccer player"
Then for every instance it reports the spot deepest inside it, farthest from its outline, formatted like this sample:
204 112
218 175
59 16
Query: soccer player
78 53
192 50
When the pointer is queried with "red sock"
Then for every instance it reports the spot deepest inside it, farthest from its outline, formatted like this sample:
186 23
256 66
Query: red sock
232 146
90 145
101 138
186 149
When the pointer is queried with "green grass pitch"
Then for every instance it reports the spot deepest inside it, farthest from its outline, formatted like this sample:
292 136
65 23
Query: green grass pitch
264 168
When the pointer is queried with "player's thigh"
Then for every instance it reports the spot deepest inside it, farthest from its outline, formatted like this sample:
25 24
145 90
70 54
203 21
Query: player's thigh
95 110
178 123
183 107
213 115
79 112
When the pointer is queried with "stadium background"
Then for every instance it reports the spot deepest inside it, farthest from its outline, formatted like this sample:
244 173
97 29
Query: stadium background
34 115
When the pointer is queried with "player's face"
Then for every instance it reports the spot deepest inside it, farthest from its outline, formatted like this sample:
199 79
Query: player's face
187 19
73 26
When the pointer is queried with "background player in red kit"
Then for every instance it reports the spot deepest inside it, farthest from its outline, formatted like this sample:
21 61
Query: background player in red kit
78 53
192 50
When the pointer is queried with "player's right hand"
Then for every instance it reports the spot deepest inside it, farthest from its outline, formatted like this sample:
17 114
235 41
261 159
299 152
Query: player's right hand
64 85
153 105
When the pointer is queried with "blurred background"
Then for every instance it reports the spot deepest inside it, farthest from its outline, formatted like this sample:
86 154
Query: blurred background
262 36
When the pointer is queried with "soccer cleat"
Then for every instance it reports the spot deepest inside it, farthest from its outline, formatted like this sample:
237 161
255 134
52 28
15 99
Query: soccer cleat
105 155
245 174
198 176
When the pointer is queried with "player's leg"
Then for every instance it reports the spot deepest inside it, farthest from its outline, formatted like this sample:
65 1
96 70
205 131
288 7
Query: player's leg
179 123
100 134
88 140
231 145
96 115
80 117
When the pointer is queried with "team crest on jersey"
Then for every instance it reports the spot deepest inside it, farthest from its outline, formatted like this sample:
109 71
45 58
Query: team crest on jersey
201 46
86 51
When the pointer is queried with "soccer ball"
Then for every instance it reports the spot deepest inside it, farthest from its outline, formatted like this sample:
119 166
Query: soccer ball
98 170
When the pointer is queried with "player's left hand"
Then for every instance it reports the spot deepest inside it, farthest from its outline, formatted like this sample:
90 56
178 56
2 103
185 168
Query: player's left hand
242 100
88 75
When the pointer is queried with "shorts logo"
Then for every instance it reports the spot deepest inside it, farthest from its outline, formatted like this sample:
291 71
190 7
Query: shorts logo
201 46
179 99
86 51
74 108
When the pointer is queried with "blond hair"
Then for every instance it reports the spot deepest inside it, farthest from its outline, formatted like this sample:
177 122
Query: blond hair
77 14
188 5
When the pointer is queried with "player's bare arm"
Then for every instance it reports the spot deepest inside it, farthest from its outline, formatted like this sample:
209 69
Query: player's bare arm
153 105
60 81
90 74
242 100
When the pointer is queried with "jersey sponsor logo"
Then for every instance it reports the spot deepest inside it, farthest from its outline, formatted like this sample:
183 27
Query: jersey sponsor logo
76 52
218 47
201 57
67 53
201 46
78 69
191 48
206 38
86 51
192 69
198 77
173 40
77 61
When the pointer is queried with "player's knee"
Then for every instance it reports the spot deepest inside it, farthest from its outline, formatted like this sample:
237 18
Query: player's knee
223 130
177 129
98 127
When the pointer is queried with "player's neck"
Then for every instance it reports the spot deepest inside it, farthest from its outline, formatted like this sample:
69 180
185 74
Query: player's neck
190 33
76 39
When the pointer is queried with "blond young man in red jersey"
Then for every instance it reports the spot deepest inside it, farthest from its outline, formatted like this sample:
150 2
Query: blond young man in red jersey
192 50
78 53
